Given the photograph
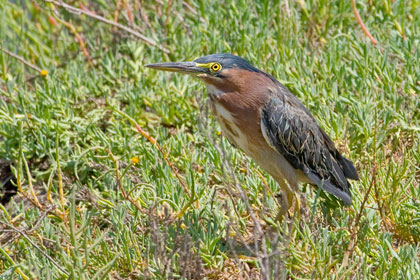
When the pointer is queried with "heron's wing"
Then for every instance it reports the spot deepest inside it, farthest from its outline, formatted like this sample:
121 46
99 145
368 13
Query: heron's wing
291 130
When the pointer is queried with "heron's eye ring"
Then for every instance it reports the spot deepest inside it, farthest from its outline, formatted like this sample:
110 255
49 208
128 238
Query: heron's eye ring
215 67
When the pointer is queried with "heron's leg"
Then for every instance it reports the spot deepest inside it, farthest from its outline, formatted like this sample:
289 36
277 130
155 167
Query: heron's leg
284 206
304 210
287 201
294 204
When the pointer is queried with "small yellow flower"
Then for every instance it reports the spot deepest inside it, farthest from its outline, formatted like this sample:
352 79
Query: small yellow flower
44 73
219 133
135 160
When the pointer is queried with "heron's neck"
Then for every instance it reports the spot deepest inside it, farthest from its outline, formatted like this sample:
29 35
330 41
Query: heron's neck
214 92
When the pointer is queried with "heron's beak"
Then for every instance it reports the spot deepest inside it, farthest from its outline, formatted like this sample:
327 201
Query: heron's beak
182 67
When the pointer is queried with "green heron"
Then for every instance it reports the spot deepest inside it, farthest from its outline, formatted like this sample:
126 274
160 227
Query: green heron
265 120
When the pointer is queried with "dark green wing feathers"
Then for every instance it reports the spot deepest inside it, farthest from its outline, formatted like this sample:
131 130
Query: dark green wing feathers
289 128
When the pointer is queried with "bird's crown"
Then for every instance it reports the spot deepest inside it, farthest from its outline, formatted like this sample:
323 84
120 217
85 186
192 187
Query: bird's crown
226 60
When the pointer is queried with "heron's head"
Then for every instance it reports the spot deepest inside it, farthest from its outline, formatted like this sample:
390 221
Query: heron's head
217 69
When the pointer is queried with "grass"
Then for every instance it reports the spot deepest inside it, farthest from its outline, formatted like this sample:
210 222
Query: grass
97 199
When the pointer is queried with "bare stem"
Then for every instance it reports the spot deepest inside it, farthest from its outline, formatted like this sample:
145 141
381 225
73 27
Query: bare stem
362 25
107 21
21 232
21 59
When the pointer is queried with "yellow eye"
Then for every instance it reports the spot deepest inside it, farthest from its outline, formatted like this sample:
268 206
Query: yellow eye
215 67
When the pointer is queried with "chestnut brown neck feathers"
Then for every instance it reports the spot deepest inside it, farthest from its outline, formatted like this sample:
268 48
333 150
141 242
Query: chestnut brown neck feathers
241 93
241 90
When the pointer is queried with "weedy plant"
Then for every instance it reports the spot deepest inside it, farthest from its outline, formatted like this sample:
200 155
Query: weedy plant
112 171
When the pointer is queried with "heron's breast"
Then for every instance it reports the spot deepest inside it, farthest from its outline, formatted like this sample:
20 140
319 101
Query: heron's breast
229 126
240 133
